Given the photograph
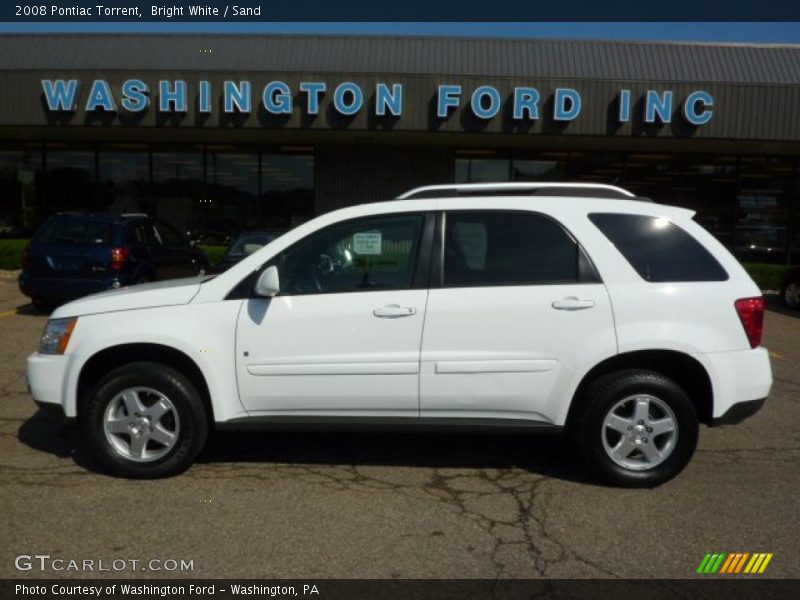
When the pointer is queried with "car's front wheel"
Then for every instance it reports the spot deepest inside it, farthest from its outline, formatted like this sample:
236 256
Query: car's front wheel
637 428
146 420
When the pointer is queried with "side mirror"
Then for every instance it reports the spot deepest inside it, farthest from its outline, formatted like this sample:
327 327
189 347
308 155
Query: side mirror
267 284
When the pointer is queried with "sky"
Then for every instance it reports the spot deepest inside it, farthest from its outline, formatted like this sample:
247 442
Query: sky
775 33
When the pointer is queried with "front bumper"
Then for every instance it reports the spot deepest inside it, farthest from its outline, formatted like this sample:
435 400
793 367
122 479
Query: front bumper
46 376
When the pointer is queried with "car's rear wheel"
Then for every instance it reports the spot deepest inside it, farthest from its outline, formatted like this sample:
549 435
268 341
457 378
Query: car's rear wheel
637 428
146 420
791 294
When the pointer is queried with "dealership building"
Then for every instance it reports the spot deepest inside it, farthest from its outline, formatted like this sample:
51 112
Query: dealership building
218 134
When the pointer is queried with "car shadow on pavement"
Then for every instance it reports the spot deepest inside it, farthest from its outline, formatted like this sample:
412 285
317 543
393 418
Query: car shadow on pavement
547 455
29 310
46 434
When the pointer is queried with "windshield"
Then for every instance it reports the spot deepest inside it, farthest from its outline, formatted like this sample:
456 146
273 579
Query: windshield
74 231
247 243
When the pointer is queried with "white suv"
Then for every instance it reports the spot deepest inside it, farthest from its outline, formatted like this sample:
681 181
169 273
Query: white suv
516 307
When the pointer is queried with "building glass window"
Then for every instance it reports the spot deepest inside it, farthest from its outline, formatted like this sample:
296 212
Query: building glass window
217 191
179 186
596 167
482 170
232 192
124 178
547 167
20 181
793 255
655 176
70 178
762 208
708 186
287 190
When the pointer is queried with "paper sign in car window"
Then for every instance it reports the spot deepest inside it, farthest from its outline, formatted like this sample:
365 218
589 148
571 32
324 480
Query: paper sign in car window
367 243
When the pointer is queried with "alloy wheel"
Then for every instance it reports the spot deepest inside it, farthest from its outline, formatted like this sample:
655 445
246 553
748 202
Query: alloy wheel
141 424
640 432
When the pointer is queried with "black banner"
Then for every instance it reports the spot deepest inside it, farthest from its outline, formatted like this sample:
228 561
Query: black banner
243 11
733 588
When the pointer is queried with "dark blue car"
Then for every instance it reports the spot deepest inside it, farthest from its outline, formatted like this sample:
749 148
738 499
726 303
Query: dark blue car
73 255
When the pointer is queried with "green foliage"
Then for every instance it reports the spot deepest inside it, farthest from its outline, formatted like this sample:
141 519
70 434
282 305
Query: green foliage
766 276
214 253
11 254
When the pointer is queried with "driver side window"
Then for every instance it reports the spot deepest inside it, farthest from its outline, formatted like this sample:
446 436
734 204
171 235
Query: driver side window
376 253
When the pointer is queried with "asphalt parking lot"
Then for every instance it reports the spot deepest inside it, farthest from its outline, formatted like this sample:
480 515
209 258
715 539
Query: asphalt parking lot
412 506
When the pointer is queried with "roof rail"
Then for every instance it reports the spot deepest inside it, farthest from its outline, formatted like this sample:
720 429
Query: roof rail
600 190
131 215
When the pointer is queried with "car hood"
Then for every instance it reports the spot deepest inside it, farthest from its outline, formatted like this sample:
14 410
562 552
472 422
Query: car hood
146 295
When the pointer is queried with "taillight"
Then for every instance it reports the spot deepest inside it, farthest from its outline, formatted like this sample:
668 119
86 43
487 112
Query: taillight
119 256
27 261
751 314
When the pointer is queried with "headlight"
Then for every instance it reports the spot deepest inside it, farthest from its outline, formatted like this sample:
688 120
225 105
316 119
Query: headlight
56 335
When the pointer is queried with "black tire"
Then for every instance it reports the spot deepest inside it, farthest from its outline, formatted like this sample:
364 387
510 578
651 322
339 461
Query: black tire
588 430
191 436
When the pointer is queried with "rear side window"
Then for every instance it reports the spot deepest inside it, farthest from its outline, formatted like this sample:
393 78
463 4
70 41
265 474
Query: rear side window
73 231
169 235
142 234
659 250
507 248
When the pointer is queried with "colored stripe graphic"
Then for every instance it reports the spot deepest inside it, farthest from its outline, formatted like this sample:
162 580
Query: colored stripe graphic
703 563
737 560
727 564
741 562
767 558
734 563
718 564
758 563
711 563
755 562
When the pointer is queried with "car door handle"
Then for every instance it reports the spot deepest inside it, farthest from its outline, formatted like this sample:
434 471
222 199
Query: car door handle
572 303
393 311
